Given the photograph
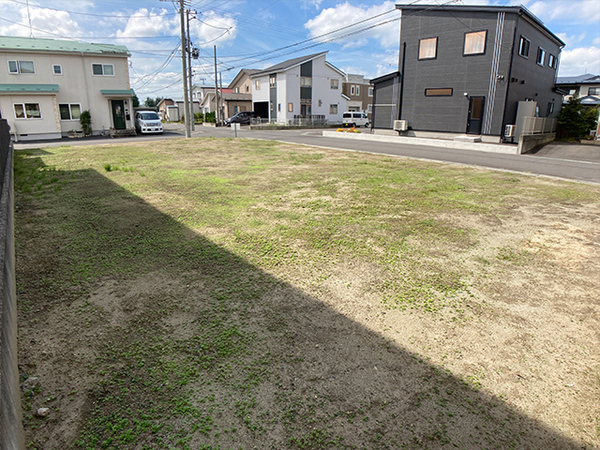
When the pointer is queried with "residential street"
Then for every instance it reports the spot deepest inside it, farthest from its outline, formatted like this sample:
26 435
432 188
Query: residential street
574 162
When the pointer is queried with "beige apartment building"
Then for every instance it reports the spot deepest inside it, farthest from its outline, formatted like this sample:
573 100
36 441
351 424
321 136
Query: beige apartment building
45 85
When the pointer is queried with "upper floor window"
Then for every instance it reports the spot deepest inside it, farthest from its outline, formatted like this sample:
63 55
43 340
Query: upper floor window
475 43
257 85
439 92
103 69
57 69
333 109
573 91
306 81
370 92
272 81
541 56
21 67
524 44
428 48
594 91
247 88
334 83
27 111
237 90
551 61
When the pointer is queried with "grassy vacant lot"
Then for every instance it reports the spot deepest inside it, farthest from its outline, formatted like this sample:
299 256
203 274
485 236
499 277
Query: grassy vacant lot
225 294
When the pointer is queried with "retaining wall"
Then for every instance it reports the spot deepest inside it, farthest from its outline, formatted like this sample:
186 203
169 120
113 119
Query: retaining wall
528 142
11 426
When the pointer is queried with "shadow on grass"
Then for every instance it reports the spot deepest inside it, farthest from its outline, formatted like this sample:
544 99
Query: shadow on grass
159 338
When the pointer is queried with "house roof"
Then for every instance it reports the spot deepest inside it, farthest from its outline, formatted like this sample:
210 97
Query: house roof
588 78
237 96
29 88
590 100
241 73
385 77
519 10
13 43
285 65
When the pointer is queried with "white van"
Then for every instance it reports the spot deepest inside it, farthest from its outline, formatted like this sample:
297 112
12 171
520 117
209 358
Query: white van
355 119
148 122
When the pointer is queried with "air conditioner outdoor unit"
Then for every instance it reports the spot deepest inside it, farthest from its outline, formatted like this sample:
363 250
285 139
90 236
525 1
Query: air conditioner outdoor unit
400 125
509 131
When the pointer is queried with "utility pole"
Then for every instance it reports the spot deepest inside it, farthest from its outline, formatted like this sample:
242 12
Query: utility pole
216 89
222 104
189 61
186 102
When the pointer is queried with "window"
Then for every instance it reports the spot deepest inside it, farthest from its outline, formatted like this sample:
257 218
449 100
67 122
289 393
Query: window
438 92
594 91
21 67
237 90
279 107
320 103
103 69
290 107
69 111
369 108
550 108
428 48
541 56
333 109
257 85
272 81
305 81
475 43
27 111
247 88
57 69
370 92
551 61
524 44
334 83
357 90
573 91
352 90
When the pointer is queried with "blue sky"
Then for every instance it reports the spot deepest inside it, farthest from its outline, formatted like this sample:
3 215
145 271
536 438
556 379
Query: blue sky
259 33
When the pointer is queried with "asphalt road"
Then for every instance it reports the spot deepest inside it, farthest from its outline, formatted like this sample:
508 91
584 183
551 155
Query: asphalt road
581 164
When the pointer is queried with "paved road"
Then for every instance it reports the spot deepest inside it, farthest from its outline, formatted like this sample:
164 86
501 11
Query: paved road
555 163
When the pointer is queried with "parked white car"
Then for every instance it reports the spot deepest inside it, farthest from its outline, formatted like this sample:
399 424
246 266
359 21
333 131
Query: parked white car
148 122
355 119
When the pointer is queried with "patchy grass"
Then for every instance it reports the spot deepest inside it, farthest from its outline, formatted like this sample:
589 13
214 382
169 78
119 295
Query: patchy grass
237 294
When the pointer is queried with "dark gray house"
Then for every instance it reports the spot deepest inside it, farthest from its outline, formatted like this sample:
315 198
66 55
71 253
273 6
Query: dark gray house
464 69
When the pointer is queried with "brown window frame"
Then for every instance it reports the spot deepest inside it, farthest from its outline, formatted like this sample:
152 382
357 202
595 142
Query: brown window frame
429 94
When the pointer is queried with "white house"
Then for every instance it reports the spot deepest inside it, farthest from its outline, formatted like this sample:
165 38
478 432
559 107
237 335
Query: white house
307 87
45 84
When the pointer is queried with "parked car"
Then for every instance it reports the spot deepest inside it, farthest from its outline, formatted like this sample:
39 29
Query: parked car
355 119
242 117
148 122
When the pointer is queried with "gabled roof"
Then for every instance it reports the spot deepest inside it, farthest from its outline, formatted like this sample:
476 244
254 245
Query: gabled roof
518 10
13 43
588 78
285 65
241 73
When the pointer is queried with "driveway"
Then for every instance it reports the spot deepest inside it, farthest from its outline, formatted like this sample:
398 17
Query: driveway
570 151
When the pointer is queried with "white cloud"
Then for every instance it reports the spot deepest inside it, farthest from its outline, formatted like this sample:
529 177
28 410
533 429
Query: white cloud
597 41
45 23
145 23
582 10
579 61
331 19
571 41
213 29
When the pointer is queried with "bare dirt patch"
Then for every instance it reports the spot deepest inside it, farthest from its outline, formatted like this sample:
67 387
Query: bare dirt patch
238 294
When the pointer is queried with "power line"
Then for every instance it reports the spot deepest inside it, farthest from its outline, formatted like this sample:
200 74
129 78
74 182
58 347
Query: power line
94 15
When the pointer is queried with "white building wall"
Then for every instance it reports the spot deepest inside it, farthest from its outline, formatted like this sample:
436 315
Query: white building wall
262 94
293 92
323 95
76 85
282 97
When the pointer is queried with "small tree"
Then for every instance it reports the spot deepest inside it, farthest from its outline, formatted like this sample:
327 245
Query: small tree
135 100
85 119
576 120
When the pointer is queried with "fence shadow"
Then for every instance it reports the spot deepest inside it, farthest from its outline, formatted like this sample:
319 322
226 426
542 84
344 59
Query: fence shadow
148 335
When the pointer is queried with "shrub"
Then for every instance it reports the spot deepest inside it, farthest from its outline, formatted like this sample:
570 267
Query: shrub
85 119
576 120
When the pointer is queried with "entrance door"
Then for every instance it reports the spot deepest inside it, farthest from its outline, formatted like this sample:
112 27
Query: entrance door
475 115
118 111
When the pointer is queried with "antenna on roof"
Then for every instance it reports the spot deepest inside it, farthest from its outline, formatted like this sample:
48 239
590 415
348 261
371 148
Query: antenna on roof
29 17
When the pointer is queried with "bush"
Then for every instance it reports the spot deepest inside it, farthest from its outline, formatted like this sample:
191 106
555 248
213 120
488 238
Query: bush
85 119
198 117
209 117
576 120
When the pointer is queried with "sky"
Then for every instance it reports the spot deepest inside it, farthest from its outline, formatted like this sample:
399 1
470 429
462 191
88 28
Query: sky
362 37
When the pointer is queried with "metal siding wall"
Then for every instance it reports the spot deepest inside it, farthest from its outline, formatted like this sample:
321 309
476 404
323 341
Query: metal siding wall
470 74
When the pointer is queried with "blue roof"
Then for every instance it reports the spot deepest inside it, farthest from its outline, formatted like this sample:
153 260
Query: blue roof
588 78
